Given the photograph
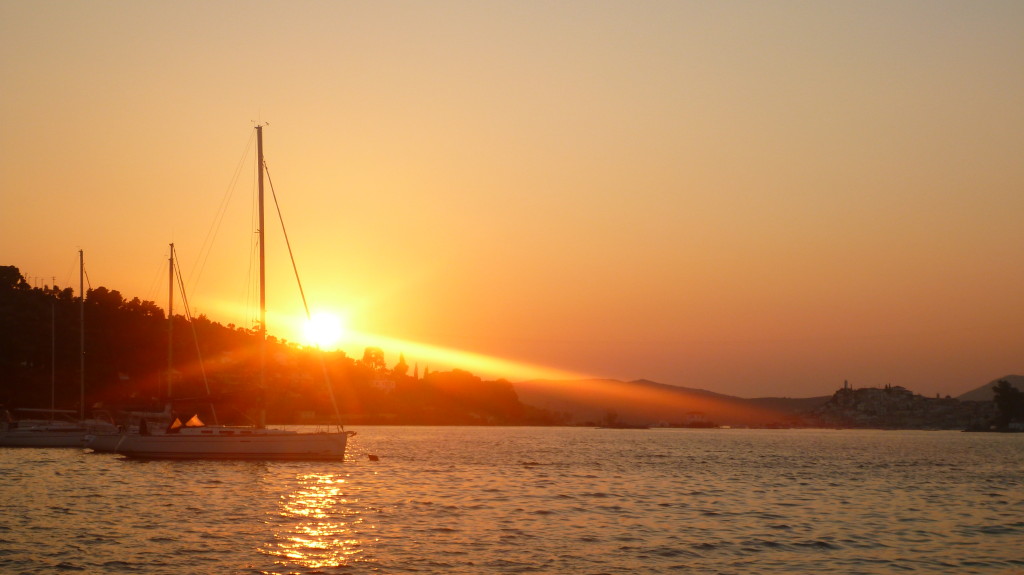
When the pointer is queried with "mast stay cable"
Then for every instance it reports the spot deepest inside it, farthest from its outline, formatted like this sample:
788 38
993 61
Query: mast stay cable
302 293
195 335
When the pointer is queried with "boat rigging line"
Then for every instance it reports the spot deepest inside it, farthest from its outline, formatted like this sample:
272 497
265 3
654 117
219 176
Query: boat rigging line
176 273
302 293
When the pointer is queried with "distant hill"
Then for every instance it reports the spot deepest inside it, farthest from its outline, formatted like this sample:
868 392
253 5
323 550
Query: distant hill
895 407
984 393
648 403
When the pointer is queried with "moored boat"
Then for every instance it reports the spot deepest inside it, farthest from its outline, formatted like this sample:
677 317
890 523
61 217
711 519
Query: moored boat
195 440
55 427
48 432
229 442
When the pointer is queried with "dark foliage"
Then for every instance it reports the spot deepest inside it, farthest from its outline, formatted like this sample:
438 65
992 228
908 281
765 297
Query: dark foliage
1010 403
212 369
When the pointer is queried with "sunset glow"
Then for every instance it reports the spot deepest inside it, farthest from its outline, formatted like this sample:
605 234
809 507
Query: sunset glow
324 330
435 358
742 197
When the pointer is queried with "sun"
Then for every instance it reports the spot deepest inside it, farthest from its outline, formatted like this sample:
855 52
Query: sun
323 329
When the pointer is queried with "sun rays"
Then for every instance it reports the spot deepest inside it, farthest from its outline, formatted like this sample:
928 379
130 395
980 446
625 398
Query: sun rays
437 358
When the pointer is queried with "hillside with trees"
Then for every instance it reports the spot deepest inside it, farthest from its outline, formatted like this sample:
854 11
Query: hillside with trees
136 360
128 365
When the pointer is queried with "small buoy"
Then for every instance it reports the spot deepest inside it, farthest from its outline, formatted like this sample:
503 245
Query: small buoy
372 457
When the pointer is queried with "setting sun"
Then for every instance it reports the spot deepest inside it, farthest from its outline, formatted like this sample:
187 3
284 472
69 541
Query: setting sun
323 329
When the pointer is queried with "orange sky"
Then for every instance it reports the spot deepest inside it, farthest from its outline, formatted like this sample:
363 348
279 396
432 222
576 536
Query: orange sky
753 198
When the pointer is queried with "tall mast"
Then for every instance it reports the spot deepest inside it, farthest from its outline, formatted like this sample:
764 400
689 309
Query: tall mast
53 357
81 312
170 325
263 280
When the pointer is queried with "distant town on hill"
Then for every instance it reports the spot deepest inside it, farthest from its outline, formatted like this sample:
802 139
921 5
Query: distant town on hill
127 347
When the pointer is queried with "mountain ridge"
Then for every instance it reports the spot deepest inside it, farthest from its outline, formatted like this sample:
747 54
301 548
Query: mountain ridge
646 402
984 391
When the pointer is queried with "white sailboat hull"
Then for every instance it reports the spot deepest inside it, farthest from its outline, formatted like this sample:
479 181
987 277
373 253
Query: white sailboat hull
50 433
221 443
43 436
103 443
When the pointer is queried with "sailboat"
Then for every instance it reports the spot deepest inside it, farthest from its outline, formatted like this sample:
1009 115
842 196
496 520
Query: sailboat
49 431
194 440
41 431
143 421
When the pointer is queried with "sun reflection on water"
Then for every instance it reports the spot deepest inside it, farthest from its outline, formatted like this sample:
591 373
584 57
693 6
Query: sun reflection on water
314 526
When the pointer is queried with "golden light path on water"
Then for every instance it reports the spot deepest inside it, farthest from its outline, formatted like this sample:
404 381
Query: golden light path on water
316 524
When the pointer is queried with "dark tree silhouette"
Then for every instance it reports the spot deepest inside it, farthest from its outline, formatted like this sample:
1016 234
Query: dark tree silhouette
1010 403
401 368
127 352
373 358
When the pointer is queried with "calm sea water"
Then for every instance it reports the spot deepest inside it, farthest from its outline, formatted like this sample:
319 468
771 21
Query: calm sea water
533 500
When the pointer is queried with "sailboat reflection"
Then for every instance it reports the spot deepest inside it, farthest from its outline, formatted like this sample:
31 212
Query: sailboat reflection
314 528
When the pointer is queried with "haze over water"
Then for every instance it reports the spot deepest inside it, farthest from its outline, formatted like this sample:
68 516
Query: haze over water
540 500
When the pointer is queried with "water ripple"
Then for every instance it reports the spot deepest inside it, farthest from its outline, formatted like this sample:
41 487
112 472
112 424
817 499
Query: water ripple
522 500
